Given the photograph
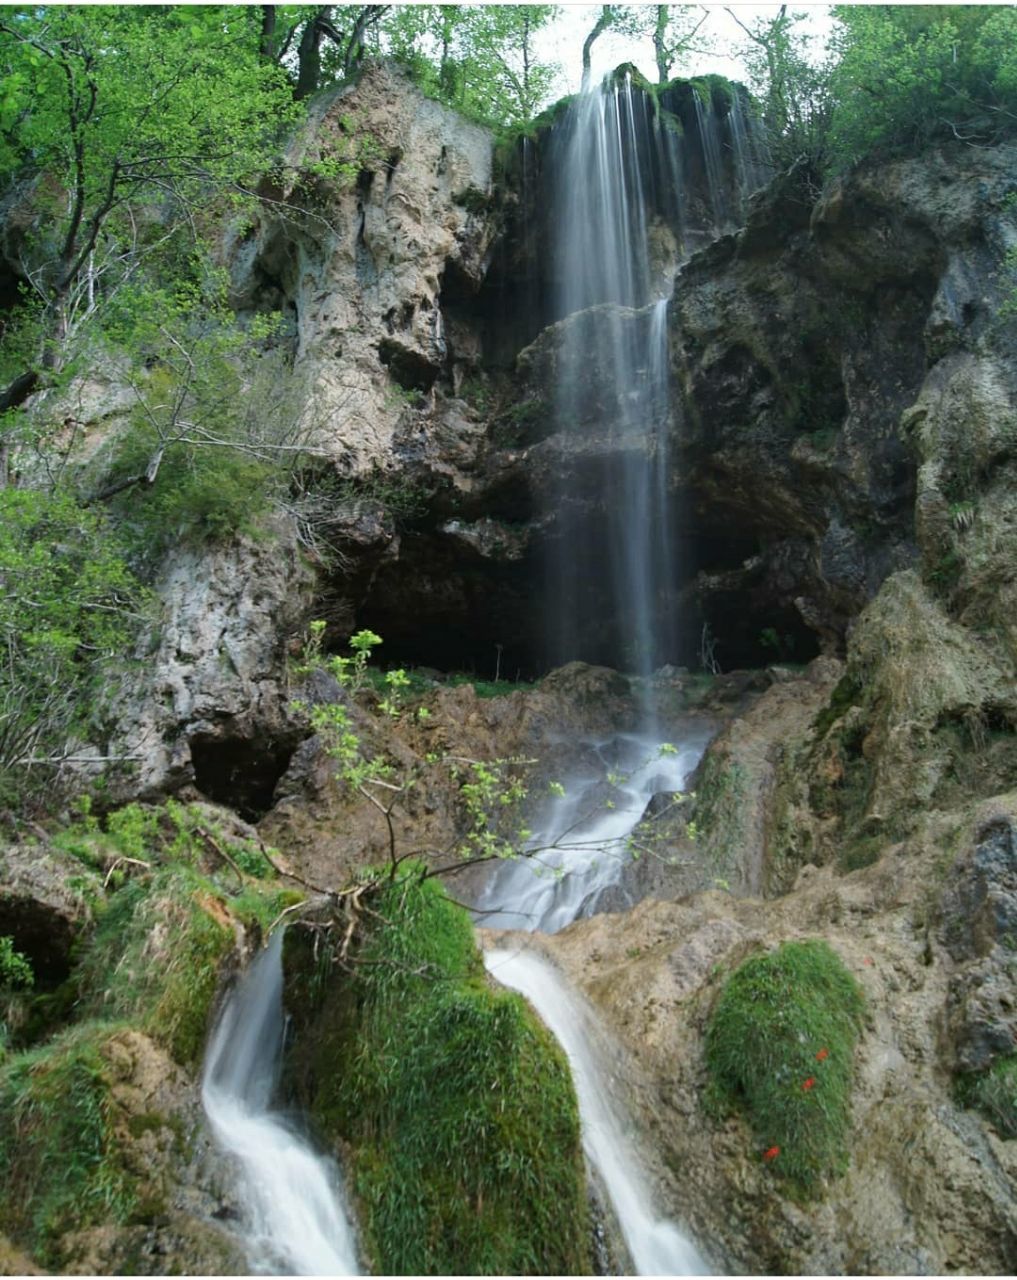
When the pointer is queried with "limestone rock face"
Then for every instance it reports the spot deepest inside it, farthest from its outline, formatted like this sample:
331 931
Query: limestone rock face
210 705
367 238
929 1188
812 355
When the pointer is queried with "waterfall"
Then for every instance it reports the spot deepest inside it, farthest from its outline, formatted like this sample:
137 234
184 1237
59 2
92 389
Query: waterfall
655 1245
612 403
612 554
296 1221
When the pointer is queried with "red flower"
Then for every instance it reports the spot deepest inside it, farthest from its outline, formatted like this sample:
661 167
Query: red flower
809 1083
867 959
772 1153
822 1055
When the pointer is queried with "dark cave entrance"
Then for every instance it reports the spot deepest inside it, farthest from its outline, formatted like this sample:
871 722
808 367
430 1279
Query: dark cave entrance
240 773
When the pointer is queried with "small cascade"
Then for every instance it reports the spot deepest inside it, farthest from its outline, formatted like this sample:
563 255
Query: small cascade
584 843
709 135
297 1223
751 165
656 1247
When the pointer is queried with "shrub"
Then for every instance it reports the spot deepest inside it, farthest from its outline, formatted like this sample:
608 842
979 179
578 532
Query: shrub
455 1102
910 74
780 1046
994 1093
68 607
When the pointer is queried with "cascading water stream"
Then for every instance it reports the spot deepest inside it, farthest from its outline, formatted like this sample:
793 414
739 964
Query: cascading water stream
296 1220
612 402
656 1247
614 415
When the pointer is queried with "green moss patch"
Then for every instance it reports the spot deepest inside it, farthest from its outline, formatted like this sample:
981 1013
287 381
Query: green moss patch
994 1093
60 1163
780 1048
453 1101
155 958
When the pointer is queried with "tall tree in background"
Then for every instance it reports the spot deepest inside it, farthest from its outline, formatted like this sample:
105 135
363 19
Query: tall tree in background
480 59
792 88
677 31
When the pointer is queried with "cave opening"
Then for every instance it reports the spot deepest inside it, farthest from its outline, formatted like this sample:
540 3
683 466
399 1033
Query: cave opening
240 773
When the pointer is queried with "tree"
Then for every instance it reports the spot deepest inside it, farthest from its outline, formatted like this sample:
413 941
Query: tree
676 31
105 108
68 604
906 75
792 89
479 59
608 17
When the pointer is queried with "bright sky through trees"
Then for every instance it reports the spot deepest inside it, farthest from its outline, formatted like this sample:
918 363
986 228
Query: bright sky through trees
563 41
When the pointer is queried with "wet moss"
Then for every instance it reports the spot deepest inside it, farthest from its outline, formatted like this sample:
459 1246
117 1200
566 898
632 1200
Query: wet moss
451 1100
780 1048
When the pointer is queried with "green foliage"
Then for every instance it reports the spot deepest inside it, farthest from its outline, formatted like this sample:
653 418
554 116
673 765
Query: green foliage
455 1101
907 75
60 1166
791 88
118 104
212 441
68 605
994 1093
155 957
490 791
163 933
479 59
15 968
780 1047
170 832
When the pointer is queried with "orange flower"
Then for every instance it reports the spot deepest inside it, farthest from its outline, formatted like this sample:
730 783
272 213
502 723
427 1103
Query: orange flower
809 1083
772 1153
822 1055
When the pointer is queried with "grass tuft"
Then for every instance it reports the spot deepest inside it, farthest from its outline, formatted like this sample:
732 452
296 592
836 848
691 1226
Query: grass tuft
994 1093
780 1047
60 1162
454 1102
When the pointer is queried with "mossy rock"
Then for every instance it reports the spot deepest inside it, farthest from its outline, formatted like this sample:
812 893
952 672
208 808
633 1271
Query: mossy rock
451 1101
61 1167
156 956
780 1048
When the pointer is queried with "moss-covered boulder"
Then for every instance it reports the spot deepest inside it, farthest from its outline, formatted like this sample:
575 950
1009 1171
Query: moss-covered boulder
780 1046
451 1102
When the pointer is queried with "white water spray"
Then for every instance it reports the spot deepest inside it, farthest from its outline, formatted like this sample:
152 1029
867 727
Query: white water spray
655 1245
296 1219
584 844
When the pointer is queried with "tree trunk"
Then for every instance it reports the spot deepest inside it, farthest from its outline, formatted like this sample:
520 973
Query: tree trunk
659 49
309 53
267 38
603 22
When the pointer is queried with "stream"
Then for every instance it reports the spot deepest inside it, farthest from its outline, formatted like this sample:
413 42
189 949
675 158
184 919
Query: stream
296 1220
655 1245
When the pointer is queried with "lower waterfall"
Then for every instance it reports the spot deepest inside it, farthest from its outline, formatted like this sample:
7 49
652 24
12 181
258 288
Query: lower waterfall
296 1221
655 1245
588 861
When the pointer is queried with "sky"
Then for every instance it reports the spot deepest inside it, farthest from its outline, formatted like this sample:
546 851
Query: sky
563 42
